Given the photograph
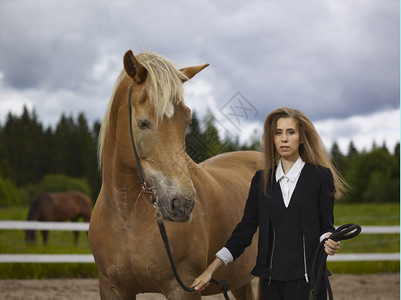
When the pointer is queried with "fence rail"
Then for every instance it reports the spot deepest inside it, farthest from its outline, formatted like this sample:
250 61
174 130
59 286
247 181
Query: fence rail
88 258
37 225
46 258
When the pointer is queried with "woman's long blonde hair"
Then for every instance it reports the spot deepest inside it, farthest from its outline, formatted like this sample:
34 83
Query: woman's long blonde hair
311 150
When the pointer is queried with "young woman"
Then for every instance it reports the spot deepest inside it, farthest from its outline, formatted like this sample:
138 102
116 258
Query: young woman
291 202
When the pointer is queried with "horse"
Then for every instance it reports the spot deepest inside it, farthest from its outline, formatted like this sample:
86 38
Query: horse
202 203
56 207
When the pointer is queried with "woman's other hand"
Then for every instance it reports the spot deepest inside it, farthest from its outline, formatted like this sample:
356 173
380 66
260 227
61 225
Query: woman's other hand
331 247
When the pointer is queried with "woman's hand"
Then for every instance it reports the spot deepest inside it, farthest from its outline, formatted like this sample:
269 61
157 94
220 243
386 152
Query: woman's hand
201 282
331 247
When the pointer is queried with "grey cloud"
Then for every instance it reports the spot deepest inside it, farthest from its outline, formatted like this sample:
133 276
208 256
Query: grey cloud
46 45
330 59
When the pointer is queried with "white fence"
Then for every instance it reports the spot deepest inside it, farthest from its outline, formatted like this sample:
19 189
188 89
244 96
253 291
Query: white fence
88 258
36 225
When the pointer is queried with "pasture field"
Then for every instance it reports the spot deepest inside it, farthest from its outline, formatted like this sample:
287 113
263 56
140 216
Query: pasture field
61 242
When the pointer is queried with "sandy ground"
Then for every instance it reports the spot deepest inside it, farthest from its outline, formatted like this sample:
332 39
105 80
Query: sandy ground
354 287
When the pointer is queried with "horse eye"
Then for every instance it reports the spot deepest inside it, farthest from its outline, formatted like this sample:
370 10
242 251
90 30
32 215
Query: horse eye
143 124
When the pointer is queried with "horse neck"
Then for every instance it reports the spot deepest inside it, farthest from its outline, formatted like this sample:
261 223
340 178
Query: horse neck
121 177
120 173
122 191
118 164
195 170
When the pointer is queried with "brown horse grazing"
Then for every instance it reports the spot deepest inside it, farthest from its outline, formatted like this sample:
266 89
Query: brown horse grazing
123 233
55 207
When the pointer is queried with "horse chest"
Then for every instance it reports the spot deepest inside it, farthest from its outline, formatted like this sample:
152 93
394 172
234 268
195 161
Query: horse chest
135 260
131 245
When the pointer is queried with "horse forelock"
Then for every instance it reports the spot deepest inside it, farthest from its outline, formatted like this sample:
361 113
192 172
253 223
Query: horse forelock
164 83
163 86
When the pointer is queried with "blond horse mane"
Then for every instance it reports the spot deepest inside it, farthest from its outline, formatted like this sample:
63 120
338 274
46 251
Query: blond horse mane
163 84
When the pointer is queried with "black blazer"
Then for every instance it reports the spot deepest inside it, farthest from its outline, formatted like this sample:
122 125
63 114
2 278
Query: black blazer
317 203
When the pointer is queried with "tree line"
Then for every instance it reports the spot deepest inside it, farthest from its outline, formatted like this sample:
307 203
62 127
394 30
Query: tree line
34 158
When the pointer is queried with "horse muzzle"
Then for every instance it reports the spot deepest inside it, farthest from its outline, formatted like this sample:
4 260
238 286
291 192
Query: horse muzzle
178 209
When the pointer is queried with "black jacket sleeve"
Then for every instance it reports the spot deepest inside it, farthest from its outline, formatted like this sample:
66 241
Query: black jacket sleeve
245 229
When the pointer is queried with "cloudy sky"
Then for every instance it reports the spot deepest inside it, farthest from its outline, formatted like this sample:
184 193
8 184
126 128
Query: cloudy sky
337 61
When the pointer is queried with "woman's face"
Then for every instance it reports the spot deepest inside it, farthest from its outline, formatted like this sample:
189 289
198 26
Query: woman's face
287 138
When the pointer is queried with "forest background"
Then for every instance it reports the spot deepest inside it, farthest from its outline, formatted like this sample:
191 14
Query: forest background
35 159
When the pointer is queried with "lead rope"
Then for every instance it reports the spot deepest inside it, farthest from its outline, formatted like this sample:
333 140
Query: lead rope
221 284
159 218
319 270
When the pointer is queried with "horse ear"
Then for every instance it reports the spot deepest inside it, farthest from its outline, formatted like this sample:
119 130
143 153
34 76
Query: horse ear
192 71
134 68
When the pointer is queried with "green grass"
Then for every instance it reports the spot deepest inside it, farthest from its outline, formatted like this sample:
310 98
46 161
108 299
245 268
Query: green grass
61 242
367 214
363 267
13 213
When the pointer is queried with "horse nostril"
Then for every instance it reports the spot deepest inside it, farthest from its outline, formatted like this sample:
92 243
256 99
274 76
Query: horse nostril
180 206
175 203
177 206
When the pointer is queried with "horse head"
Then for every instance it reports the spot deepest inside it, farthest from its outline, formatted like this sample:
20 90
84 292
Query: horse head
159 120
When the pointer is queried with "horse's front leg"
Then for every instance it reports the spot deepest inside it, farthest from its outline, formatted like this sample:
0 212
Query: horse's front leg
180 294
111 291
76 234
45 234
172 291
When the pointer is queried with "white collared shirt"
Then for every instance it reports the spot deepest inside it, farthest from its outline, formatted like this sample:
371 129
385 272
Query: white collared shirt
289 181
